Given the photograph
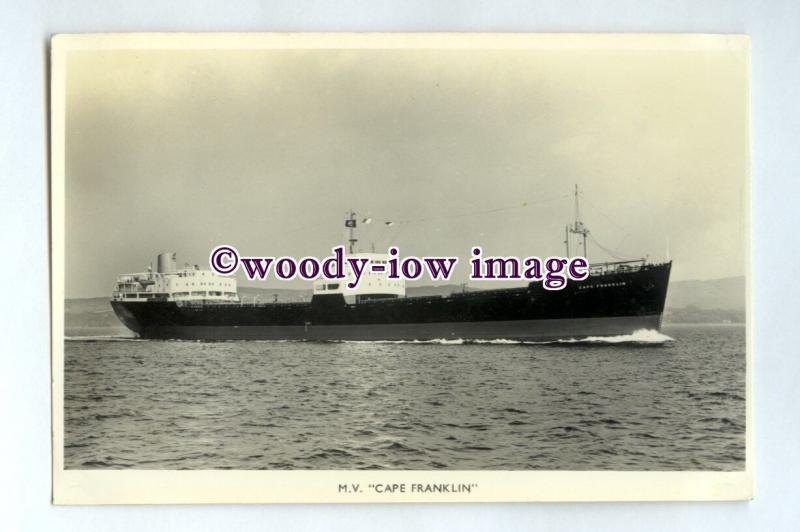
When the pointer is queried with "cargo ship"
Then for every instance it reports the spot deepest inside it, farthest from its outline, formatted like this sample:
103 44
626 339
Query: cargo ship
190 303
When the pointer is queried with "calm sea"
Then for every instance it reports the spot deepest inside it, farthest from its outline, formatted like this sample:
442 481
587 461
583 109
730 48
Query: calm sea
635 403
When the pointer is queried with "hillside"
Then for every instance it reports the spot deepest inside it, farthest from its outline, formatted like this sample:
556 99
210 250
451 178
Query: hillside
727 294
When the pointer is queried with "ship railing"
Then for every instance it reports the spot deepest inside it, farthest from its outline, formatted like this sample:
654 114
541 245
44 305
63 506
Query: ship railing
149 296
134 277
603 268
125 293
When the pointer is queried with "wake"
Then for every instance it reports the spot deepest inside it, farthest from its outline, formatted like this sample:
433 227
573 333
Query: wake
642 336
102 338
639 337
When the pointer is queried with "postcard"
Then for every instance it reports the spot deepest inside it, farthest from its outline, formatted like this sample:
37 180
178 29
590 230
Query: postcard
400 268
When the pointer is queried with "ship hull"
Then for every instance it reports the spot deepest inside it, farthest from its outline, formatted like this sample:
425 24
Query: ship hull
522 330
618 303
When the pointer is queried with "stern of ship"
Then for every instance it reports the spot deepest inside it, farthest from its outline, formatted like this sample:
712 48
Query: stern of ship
126 316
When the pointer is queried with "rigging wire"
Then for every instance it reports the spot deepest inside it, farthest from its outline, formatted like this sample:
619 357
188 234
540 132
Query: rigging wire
389 223
601 213
401 225
523 205
611 253
614 254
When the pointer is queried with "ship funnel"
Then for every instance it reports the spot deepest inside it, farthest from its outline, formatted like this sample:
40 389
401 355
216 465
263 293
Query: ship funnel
166 262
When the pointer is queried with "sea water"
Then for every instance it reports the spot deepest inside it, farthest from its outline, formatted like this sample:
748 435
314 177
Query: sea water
650 401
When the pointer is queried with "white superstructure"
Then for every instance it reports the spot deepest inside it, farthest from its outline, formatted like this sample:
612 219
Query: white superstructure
168 283
373 284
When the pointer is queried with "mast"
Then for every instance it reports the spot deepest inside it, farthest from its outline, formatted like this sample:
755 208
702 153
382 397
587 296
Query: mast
578 228
350 223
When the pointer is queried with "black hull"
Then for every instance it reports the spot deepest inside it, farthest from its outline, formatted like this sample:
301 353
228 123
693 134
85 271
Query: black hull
604 305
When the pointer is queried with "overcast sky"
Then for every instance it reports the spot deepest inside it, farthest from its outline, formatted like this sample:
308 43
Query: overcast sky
267 150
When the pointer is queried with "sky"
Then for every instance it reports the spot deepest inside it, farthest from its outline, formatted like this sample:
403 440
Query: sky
266 150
